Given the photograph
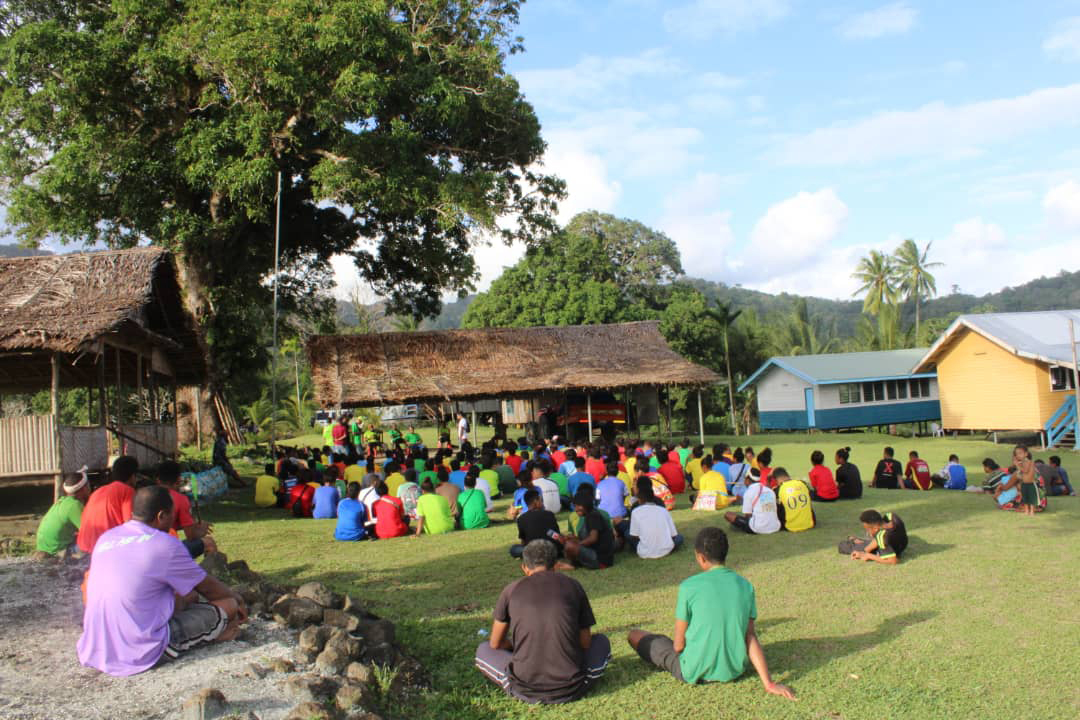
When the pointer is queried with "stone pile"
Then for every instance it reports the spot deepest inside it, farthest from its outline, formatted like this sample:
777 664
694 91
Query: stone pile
347 658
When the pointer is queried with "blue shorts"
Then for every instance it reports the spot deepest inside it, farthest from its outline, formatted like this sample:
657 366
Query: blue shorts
1007 497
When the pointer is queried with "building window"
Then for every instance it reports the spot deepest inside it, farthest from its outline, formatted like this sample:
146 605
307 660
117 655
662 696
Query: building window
891 388
901 390
873 391
1062 378
849 394
920 388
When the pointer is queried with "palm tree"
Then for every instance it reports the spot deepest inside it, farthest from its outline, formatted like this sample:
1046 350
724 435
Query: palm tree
913 274
725 316
877 273
406 323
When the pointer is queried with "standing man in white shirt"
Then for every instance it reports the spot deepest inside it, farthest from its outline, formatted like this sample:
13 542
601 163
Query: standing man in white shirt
547 488
652 531
758 516
462 428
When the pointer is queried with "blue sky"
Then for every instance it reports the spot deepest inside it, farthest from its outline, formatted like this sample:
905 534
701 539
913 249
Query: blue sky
776 141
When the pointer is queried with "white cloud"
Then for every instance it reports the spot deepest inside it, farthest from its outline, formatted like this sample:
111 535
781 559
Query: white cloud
933 129
894 19
593 80
1063 43
588 185
695 220
795 230
1062 206
702 19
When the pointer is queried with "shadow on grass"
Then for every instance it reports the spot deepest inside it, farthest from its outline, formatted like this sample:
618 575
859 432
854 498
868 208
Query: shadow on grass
917 548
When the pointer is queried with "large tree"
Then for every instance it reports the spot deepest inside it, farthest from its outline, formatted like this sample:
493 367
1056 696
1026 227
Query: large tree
394 124
913 274
877 274
598 269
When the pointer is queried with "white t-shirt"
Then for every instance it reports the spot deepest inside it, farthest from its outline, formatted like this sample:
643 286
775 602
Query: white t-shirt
759 503
463 429
549 491
368 496
653 527
485 487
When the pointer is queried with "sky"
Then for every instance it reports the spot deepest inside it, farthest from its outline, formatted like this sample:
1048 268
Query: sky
778 141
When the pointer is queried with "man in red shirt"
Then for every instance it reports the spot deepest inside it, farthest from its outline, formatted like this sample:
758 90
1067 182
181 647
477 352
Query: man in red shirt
672 473
917 473
110 505
595 466
512 459
169 477
340 433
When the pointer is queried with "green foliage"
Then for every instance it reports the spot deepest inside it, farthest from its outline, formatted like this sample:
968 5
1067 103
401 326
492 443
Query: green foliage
877 273
395 127
913 274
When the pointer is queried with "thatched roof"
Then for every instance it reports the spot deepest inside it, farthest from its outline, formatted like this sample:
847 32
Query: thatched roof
65 303
395 368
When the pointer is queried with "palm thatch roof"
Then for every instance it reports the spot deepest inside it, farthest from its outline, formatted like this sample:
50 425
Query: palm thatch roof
67 303
395 368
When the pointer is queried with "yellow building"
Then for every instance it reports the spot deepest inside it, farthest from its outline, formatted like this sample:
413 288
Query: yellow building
1008 371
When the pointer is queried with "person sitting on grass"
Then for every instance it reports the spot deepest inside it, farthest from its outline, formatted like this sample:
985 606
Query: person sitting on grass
473 504
822 484
848 477
694 471
885 542
547 488
267 486
409 492
352 516
916 474
448 490
953 476
714 624
536 524
740 472
714 483
673 474
795 509
57 530
652 532
519 505
579 477
887 472
110 505
995 475
612 493
142 594
758 516
541 648
432 512
326 496
195 533
391 517
1055 463
1055 477
594 546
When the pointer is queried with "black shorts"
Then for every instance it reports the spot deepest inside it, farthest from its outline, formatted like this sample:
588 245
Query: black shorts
660 651
1029 494
743 523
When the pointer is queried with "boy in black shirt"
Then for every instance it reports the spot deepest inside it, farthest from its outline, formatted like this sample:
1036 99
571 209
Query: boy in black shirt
888 471
535 524
595 545
887 539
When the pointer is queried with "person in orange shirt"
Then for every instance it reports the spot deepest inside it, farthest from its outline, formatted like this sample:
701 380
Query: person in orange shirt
195 533
110 505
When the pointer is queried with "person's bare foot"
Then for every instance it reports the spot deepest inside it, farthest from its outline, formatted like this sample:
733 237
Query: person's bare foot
563 565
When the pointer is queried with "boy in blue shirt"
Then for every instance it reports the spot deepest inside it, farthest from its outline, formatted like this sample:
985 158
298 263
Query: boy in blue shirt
579 477
326 499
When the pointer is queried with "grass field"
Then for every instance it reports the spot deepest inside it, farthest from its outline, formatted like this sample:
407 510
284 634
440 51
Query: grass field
979 621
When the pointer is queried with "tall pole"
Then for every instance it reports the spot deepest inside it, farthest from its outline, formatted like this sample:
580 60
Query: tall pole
1076 380
54 407
273 376
700 419
588 405
730 388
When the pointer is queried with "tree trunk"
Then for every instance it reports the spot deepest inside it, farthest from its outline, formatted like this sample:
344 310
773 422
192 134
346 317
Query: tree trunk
195 281
730 389
917 319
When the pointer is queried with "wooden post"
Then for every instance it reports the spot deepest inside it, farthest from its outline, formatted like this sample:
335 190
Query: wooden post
198 417
139 386
626 397
101 400
588 405
119 405
54 398
700 419
1076 382
475 431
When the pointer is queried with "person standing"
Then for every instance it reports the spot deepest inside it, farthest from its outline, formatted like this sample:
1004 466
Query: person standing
340 434
714 624
542 648
462 428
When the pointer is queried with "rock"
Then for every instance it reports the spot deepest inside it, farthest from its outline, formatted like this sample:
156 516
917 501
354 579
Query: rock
360 673
239 569
43 557
313 638
332 661
207 704
309 688
341 619
377 632
258 610
352 696
312 711
254 670
282 665
384 654
350 645
237 565
319 593
353 606
282 604
216 564
303 612
250 594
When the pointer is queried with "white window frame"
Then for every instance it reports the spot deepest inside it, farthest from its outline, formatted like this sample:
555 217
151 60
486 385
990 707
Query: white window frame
1070 379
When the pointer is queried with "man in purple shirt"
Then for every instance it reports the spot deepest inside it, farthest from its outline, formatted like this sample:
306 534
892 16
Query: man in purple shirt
142 593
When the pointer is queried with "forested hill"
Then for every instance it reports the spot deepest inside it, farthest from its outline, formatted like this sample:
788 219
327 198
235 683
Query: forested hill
20 251
1046 293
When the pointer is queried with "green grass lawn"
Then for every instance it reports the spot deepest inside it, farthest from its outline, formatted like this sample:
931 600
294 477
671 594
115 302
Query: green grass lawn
979 621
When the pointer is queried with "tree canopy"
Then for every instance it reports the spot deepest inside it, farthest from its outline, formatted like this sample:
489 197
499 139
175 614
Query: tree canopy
394 124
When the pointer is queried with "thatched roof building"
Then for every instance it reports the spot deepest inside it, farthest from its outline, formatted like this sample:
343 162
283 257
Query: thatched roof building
77 304
447 365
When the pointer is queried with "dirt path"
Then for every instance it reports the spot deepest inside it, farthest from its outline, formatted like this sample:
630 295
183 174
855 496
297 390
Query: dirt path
41 678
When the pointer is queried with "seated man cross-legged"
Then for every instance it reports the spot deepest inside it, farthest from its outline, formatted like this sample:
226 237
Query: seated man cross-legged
886 539
142 594
542 649
714 624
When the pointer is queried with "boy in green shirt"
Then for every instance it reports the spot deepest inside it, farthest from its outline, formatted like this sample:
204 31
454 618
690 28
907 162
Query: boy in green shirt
473 504
57 529
432 512
714 624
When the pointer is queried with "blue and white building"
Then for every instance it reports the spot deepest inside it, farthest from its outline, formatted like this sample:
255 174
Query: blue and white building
844 390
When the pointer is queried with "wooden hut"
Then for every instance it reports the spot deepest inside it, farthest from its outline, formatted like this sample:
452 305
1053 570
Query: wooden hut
516 365
97 320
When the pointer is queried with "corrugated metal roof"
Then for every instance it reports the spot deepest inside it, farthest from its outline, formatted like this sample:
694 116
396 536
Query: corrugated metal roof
845 367
1040 335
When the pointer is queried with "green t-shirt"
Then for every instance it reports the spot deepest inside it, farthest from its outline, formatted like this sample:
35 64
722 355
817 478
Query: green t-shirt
654 462
684 454
412 438
436 513
473 509
718 605
492 478
328 434
419 465
428 475
559 479
58 527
